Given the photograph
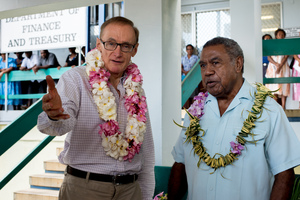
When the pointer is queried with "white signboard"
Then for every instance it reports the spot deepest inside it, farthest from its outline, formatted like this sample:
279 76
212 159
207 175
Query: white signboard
292 32
50 30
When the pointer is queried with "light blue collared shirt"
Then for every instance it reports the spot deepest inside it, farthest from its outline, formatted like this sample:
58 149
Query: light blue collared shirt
251 176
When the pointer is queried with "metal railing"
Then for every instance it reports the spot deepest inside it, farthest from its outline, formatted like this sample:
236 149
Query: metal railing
190 83
13 133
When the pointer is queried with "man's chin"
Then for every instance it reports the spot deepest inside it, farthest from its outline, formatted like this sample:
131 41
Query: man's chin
214 92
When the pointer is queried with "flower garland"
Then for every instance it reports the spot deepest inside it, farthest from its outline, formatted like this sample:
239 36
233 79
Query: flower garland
196 111
161 196
121 146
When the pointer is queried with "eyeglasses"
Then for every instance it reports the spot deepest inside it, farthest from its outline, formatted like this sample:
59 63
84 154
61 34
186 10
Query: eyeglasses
111 46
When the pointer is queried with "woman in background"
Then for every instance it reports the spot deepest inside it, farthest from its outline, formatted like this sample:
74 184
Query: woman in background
13 87
188 61
278 67
296 73
265 58
73 58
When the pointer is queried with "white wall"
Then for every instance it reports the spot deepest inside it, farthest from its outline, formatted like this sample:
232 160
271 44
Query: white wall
246 31
171 74
158 58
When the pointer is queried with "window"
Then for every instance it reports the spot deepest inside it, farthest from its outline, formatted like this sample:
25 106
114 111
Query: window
209 24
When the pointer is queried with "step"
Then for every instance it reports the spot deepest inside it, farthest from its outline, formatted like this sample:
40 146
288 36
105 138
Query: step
46 180
54 165
59 150
37 194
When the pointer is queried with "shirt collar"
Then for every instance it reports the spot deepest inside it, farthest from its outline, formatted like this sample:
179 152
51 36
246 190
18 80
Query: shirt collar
245 92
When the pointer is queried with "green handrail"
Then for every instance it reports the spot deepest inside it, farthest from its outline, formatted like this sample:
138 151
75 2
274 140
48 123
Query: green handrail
289 46
25 161
281 80
30 75
190 82
17 75
18 128
15 131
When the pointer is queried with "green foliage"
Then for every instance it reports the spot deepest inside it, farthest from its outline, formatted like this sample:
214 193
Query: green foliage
296 189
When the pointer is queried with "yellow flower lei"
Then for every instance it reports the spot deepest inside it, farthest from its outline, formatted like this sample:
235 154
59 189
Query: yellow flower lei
222 161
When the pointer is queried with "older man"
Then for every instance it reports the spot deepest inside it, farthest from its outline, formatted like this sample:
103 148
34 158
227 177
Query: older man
246 149
109 150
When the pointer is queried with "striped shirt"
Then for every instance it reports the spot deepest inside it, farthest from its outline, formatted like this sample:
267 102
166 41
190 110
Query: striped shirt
83 145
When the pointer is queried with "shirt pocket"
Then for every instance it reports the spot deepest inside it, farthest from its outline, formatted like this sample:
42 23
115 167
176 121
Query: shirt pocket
257 141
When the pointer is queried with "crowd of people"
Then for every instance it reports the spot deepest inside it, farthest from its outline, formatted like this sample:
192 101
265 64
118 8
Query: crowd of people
32 62
278 66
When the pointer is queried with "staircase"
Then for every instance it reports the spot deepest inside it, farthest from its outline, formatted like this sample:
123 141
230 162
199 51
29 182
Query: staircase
44 186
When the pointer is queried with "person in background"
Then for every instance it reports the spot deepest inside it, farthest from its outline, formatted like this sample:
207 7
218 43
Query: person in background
13 87
278 67
83 51
29 62
73 58
239 143
188 61
265 58
109 149
24 84
46 60
19 59
296 73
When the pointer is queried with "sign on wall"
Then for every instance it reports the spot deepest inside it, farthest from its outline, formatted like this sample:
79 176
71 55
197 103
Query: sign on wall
292 32
50 30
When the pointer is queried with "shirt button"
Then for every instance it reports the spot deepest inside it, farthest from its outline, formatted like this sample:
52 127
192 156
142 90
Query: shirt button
217 143
211 188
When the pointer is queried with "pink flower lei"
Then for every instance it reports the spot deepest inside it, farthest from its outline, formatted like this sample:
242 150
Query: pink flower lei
118 145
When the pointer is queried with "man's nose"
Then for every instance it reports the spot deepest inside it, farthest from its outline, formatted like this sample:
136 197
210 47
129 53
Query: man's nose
118 51
209 70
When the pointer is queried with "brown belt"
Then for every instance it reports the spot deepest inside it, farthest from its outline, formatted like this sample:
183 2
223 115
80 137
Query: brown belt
117 180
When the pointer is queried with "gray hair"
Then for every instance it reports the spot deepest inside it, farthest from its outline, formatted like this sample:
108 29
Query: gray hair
121 21
232 48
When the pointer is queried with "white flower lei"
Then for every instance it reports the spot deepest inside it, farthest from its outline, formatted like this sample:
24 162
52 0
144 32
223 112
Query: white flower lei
121 146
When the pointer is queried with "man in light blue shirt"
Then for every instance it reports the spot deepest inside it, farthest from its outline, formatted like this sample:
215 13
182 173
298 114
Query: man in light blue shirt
263 170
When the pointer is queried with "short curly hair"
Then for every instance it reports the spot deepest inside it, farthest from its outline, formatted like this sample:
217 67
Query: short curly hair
232 48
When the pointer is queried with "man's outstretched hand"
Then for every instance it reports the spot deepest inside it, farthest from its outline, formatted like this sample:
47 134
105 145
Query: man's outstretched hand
52 103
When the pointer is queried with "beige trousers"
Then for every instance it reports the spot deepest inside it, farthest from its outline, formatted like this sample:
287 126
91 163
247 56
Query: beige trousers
74 188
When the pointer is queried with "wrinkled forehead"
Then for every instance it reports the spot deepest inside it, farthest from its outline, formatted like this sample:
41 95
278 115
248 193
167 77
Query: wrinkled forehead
212 51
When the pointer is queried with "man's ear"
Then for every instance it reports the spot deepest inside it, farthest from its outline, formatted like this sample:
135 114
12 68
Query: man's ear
134 51
239 64
98 44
